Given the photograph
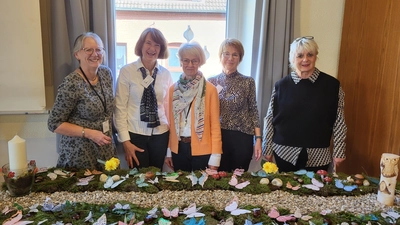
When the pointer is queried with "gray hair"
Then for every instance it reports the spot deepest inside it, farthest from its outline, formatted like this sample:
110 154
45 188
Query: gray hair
192 48
300 44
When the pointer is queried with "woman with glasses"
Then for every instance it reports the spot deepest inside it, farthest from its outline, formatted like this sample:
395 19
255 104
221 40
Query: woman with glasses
195 138
306 109
83 109
240 126
141 103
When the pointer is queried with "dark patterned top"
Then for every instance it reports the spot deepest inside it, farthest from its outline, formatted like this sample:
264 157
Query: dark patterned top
78 104
238 105
316 156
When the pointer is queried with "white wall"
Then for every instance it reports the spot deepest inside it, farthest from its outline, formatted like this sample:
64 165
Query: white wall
320 18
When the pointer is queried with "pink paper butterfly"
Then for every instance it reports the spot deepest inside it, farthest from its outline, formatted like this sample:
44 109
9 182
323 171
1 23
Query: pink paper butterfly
234 182
169 214
274 214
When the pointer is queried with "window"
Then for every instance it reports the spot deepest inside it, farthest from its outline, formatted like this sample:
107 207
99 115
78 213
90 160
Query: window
205 18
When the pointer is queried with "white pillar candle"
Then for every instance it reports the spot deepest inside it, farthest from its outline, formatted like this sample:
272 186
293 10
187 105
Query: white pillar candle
17 155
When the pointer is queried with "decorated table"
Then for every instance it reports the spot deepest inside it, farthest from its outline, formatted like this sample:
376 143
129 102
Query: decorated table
148 196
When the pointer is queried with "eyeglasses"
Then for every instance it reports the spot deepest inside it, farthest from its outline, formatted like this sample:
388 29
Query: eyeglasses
304 37
228 55
194 62
90 51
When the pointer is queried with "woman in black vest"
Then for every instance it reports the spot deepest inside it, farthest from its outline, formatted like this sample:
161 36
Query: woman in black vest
306 110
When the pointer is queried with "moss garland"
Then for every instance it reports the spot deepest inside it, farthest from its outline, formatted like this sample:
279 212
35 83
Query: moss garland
76 212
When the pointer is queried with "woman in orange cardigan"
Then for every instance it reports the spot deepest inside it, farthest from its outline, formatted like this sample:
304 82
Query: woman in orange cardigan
195 140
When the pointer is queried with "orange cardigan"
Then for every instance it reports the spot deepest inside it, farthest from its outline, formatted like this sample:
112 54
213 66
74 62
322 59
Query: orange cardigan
211 142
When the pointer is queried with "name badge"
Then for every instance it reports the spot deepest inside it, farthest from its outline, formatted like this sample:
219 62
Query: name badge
219 88
106 126
147 81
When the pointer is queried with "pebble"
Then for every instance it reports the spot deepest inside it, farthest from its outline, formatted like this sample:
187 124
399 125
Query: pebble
218 198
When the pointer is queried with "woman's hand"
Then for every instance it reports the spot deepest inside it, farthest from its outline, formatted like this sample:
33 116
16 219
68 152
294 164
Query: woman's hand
169 163
130 152
98 137
257 149
269 158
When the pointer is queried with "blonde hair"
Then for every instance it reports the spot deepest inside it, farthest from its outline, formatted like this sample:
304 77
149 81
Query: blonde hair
300 44
192 48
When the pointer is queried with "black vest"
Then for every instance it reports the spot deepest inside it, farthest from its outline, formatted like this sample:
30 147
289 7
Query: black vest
304 113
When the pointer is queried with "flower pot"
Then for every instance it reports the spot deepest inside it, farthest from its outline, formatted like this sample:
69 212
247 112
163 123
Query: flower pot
20 184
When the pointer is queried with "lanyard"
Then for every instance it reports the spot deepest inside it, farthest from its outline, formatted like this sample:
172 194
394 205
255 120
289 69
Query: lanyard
104 103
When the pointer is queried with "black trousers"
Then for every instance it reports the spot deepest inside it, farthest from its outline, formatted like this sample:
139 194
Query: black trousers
155 149
186 162
237 148
285 166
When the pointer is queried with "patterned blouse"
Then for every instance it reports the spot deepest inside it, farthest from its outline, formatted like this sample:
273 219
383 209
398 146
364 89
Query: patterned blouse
78 103
238 105
316 156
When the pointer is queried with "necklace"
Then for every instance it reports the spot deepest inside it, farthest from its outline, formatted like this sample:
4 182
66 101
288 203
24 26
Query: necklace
94 79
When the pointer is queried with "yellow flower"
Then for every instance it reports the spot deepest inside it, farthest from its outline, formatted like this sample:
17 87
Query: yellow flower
112 164
270 167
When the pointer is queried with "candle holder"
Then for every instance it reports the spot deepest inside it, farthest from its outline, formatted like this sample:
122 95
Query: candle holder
21 184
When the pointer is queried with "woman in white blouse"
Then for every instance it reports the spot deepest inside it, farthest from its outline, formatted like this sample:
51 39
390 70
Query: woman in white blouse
141 103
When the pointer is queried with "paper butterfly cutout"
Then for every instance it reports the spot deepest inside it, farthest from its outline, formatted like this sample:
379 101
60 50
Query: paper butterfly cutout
141 181
133 171
155 181
260 173
192 211
15 219
7 210
102 220
111 184
249 222
33 208
309 174
49 206
211 172
274 214
43 221
119 206
339 184
201 180
161 173
172 177
152 213
131 222
85 181
298 215
93 172
232 207
391 216
169 214
193 221
238 172
234 182
89 217
316 185
289 186
163 221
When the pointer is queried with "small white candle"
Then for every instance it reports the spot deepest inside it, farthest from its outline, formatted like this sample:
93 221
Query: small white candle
17 155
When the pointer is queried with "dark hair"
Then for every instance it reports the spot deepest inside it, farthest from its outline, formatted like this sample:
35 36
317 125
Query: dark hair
157 37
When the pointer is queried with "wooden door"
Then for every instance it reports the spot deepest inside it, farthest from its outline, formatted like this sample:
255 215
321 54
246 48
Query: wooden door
369 72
